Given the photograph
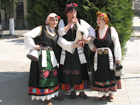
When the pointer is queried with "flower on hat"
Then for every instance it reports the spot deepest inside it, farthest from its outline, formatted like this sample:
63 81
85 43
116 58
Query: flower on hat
49 16
102 15
75 4
59 17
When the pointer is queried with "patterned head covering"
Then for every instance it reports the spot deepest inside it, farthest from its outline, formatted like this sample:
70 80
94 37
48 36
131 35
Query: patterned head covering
51 15
72 5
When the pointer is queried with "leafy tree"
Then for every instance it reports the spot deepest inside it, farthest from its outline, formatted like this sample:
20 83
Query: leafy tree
38 10
8 6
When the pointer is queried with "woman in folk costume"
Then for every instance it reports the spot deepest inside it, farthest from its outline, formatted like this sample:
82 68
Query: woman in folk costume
43 79
107 53
73 69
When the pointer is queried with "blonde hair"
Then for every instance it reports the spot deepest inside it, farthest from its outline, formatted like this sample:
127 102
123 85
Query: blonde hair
103 16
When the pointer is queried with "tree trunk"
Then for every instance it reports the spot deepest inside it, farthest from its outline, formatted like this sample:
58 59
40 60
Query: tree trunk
11 26
11 19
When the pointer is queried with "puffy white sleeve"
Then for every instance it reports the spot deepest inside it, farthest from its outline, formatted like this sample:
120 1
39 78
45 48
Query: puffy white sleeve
66 45
89 27
63 43
61 26
117 46
28 37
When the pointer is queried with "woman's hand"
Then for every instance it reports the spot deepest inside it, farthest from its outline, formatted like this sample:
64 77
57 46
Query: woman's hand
118 61
74 20
68 26
37 47
94 49
78 44
86 40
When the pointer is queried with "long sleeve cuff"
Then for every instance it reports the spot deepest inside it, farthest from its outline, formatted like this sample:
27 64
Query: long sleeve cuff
66 45
61 32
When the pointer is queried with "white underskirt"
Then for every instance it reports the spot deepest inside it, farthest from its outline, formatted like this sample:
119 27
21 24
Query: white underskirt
106 93
46 97
77 91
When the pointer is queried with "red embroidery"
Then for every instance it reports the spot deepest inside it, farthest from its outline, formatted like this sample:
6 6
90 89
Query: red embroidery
55 72
46 73
38 91
102 39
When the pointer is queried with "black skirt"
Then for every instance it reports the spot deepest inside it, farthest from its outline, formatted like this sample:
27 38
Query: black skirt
103 77
73 72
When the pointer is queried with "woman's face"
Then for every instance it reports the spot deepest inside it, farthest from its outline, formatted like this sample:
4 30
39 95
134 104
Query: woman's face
53 22
100 22
72 14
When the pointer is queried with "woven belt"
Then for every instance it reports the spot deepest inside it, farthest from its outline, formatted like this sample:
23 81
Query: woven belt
46 48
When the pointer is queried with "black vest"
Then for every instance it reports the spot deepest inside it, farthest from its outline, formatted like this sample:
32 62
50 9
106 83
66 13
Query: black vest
45 39
105 42
71 34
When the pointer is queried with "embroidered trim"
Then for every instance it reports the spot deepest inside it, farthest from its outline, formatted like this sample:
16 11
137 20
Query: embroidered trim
48 73
55 73
67 87
37 91
104 83
66 71
71 72
48 34
102 39
75 72
113 88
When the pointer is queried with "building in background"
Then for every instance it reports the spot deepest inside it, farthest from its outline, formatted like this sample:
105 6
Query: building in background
136 7
19 16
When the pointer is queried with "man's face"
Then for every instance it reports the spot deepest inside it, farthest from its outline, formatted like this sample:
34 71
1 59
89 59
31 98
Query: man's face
72 14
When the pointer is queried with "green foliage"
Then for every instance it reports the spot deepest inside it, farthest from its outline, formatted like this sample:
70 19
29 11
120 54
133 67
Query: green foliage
8 6
119 12
38 10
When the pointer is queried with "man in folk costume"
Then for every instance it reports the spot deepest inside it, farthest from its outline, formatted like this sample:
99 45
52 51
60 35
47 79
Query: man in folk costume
43 78
73 69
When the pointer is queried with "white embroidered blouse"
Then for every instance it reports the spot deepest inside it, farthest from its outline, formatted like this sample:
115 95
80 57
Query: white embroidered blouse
82 22
30 44
115 39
